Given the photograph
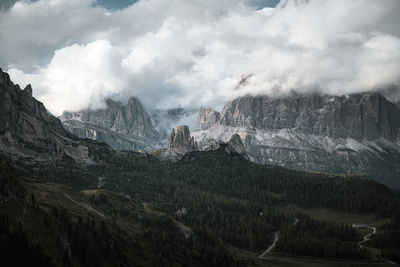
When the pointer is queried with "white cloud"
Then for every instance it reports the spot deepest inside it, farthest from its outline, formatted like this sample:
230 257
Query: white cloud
192 53
77 77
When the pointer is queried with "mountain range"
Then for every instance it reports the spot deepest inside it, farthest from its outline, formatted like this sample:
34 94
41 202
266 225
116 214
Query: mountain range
70 201
357 133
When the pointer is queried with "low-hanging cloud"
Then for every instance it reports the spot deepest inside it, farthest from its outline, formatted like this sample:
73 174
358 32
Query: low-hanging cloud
192 53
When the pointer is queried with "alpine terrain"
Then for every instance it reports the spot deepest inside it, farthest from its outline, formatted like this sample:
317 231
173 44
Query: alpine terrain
358 133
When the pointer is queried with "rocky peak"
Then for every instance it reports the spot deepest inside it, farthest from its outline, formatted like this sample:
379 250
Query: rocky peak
359 116
207 118
28 131
244 80
5 78
236 145
130 120
28 89
181 141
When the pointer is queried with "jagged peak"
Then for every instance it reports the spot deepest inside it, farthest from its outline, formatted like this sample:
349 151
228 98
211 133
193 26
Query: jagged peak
133 100
5 78
181 141
28 89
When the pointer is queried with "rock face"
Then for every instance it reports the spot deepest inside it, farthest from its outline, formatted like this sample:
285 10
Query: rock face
357 133
121 126
28 131
181 141
358 116
234 145
207 118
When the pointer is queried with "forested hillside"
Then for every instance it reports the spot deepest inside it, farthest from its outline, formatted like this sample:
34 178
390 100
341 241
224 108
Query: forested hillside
226 202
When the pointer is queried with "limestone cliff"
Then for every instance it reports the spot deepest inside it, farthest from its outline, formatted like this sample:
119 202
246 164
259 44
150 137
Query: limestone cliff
358 133
123 127
181 141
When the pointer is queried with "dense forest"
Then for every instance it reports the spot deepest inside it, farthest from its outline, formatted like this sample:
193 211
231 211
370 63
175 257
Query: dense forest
320 239
227 201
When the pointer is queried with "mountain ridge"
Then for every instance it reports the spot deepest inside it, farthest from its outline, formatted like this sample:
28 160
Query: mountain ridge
357 133
123 127
29 131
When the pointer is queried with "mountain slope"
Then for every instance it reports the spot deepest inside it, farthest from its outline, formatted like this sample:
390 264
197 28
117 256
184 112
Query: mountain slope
121 126
29 131
357 133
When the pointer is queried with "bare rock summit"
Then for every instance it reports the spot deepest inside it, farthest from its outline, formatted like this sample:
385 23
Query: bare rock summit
181 141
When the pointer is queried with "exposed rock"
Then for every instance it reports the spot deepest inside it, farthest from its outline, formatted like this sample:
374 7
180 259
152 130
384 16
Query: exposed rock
28 131
181 141
244 80
28 89
121 126
207 118
357 133
236 145
358 116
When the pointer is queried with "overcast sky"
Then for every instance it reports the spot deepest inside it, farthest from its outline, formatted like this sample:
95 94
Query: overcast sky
189 53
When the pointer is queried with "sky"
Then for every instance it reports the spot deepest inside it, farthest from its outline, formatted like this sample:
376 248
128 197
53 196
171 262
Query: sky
192 53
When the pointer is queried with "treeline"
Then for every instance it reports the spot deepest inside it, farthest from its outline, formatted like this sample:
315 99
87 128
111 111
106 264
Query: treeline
310 237
235 199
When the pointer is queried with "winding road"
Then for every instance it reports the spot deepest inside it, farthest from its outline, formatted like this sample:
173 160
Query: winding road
367 236
276 238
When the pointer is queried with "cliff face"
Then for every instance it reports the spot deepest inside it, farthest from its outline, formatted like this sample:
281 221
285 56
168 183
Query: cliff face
358 116
181 141
28 131
357 133
207 118
121 126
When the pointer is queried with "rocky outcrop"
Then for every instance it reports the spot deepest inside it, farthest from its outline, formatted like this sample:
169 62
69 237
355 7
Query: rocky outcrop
207 118
181 141
121 126
357 133
28 131
234 145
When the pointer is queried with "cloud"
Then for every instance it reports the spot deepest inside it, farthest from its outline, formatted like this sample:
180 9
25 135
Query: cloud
78 76
192 53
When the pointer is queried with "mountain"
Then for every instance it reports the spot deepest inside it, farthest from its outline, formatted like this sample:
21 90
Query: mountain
181 141
358 133
28 131
123 127
207 209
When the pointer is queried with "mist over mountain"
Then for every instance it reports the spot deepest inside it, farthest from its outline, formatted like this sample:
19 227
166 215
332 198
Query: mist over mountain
358 133
192 54
200 133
